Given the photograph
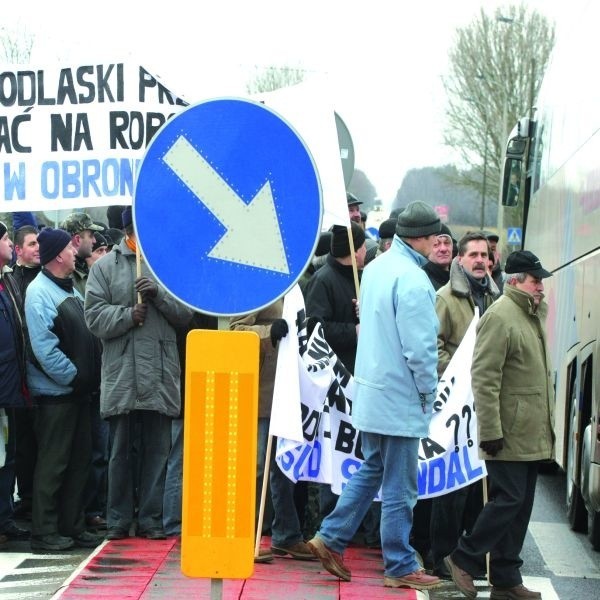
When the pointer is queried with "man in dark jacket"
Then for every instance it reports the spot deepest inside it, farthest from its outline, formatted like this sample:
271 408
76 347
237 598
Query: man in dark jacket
438 263
12 388
25 270
511 377
61 375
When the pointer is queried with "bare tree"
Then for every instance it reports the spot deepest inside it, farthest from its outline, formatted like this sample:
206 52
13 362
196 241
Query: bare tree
273 78
496 68
16 45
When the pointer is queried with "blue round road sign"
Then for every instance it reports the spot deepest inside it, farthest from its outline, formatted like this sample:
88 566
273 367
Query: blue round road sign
227 206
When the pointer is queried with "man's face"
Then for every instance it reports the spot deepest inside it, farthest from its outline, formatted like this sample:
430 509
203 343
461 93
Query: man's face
29 253
493 244
475 259
442 251
354 212
533 286
84 241
361 253
96 254
67 258
423 245
6 247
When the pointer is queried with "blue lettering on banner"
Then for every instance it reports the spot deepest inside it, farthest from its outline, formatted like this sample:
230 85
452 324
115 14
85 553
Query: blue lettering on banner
86 178
437 475
14 183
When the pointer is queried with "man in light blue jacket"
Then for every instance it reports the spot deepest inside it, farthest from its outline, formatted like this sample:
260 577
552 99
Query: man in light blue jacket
396 379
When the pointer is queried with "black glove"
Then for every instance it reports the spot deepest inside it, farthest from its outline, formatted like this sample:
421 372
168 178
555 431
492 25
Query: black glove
492 447
279 329
146 287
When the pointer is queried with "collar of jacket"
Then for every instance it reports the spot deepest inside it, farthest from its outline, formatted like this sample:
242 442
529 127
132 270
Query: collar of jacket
5 269
525 301
405 249
345 270
459 282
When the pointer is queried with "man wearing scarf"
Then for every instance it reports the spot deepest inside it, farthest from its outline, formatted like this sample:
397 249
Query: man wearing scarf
470 287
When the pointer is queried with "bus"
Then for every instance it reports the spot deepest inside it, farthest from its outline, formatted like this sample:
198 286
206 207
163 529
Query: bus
551 190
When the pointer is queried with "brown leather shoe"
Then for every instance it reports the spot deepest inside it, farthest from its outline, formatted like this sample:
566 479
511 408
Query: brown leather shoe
519 592
264 556
462 580
419 580
331 561
299 551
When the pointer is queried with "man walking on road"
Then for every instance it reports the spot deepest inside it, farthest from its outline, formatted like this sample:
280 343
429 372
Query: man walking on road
513 393
396 379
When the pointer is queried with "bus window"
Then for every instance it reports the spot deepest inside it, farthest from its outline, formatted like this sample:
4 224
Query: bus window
512 178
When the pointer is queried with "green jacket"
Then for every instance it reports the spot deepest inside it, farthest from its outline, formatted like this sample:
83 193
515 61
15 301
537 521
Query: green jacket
455 309
511 379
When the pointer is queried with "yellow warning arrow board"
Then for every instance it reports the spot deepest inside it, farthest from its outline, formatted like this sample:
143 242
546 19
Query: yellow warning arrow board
219 454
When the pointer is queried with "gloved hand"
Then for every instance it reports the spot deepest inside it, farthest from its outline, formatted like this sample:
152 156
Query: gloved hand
279 329
139 313
146 287
492 447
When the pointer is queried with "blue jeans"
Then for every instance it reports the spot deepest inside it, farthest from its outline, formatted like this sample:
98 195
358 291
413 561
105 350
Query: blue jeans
390 463
174 481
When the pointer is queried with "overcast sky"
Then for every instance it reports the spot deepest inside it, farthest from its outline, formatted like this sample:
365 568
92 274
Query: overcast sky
384 59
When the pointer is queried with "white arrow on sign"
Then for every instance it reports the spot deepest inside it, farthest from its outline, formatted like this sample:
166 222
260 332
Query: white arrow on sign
253 236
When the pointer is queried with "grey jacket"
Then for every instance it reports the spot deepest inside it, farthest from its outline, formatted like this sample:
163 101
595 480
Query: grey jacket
140 364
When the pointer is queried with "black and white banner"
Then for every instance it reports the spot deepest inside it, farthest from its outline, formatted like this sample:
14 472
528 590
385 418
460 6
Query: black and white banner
312 414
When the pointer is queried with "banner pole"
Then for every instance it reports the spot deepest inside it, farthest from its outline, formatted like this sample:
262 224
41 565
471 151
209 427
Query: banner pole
263 496
354 266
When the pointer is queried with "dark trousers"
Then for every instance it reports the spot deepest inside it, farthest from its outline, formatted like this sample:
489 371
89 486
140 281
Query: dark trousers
502 524
26 454
154 445
62 467
451 515
97 484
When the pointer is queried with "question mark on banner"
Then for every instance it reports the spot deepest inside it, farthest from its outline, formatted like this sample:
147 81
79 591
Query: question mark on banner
456 420
466 411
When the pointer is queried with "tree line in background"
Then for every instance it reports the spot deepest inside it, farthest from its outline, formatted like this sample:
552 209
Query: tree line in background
496 67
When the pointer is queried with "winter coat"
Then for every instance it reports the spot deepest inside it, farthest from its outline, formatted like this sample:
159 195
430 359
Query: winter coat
328 297
140 364
455 309
64 359
437 275
12 343
511 379
261 322
396 362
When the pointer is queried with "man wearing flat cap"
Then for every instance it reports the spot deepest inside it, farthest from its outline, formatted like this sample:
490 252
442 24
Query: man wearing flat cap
396 381
514 398
62 373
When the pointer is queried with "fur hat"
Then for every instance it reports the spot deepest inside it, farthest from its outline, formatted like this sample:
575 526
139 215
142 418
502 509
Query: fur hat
52 242
418 220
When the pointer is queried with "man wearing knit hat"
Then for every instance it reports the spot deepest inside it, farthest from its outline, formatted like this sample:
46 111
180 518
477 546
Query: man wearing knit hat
62 374
396 380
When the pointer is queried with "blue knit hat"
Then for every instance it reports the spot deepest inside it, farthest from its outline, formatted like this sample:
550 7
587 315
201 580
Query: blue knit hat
52 242
126 217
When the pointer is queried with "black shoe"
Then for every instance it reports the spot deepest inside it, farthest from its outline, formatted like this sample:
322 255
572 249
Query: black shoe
14 532
116 533
95 522
52 542
154 533
87 540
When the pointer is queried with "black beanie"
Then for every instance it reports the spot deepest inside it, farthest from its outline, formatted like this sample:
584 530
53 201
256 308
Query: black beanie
387 229
52 242
100 242
340 247
418 220
126 217
3 229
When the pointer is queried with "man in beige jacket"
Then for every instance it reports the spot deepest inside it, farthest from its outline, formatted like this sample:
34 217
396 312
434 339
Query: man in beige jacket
513 393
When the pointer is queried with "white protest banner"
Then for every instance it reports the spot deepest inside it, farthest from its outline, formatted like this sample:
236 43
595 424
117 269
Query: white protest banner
331 450
72 137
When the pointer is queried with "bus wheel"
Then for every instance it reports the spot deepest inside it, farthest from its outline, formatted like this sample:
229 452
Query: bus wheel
576 512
